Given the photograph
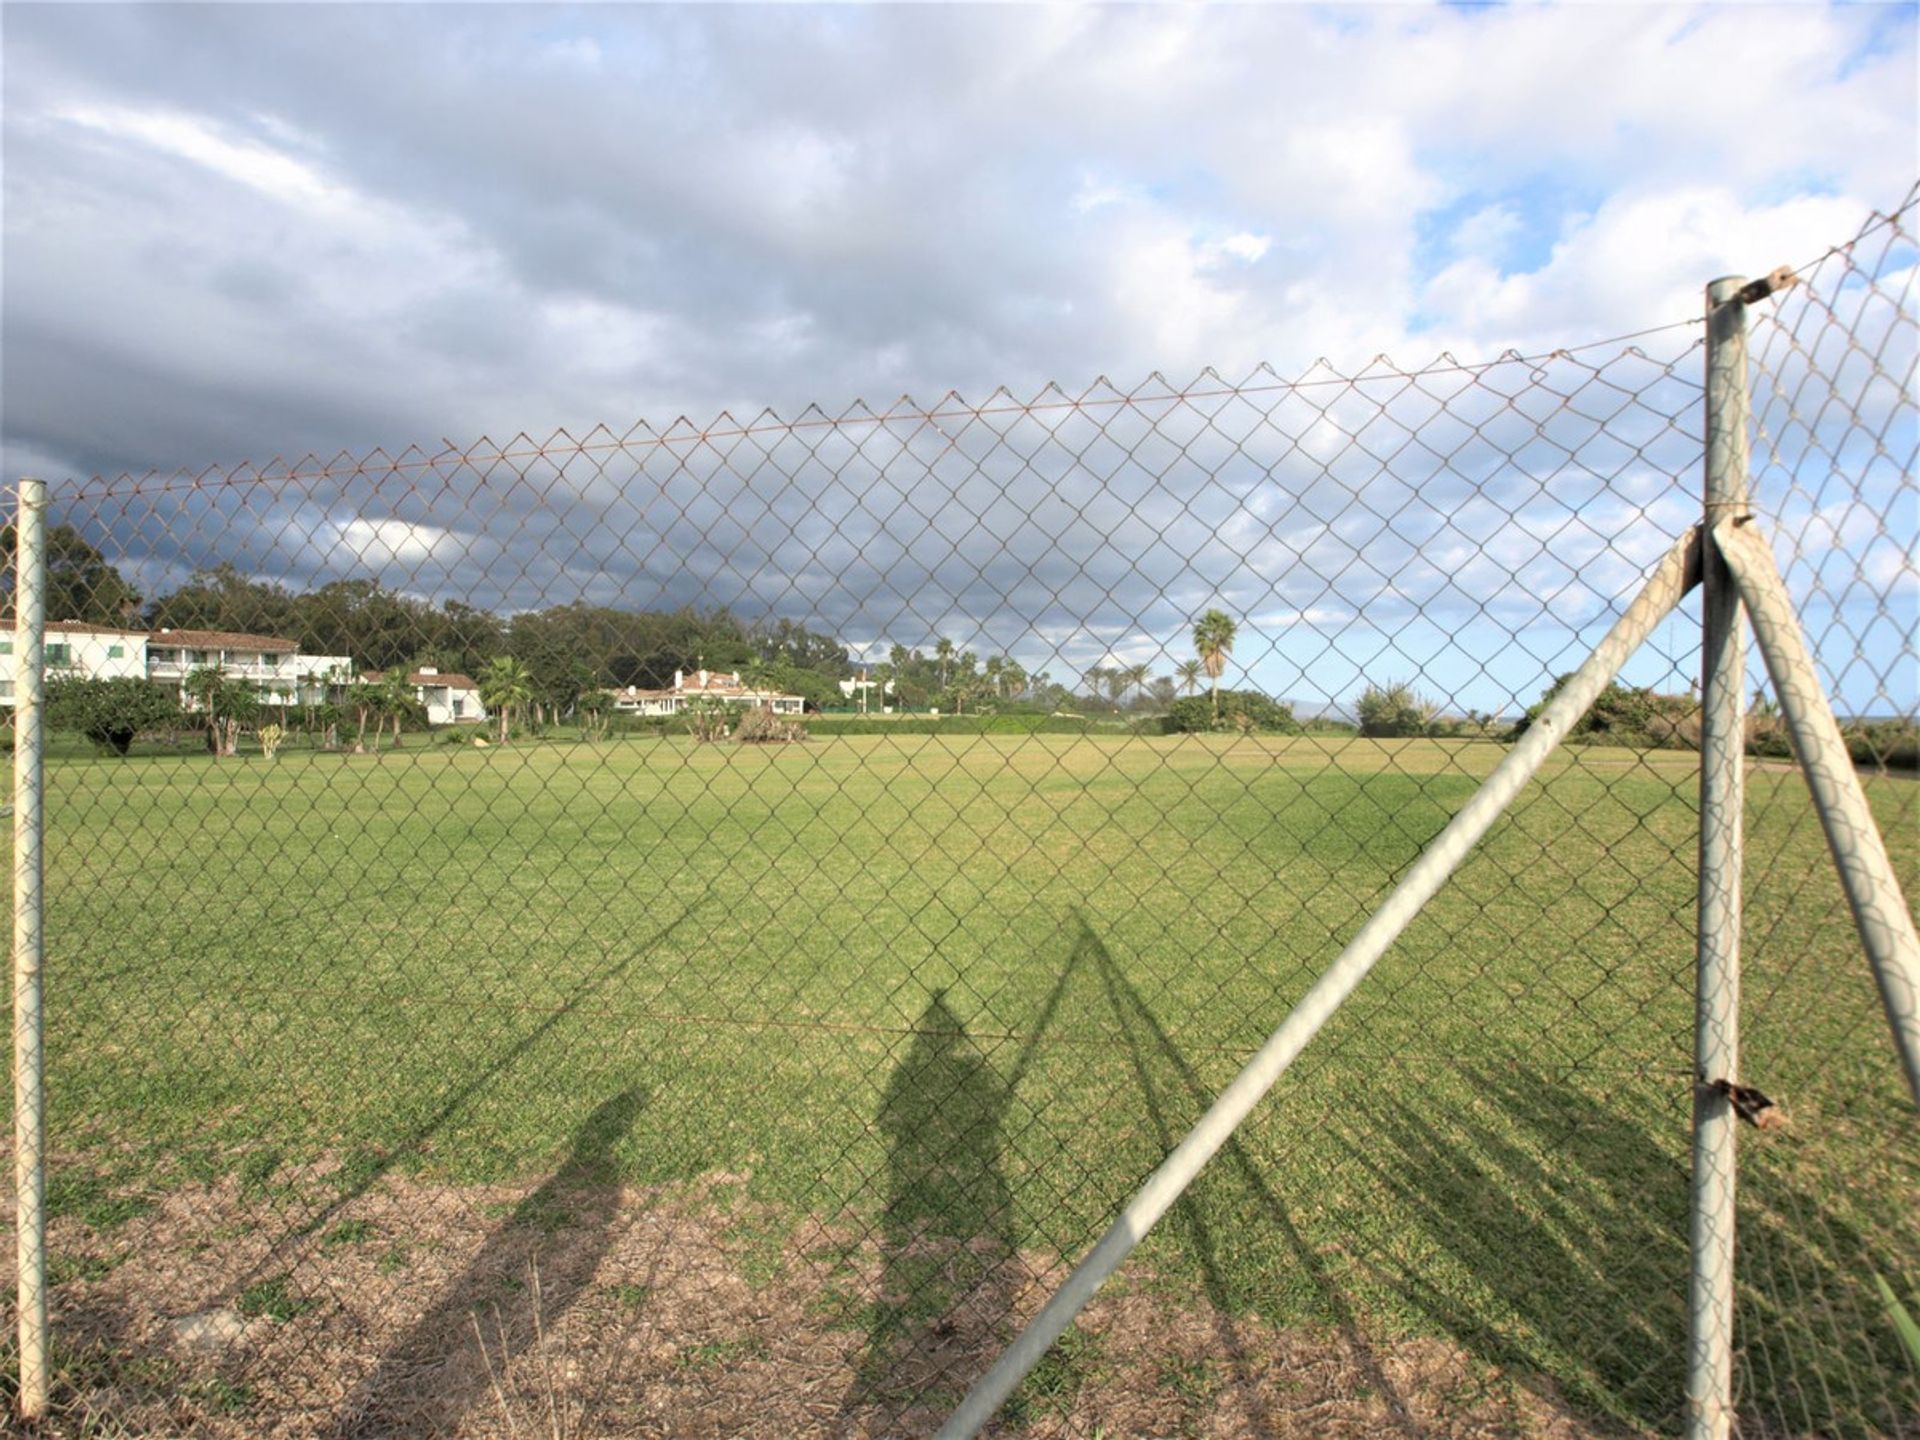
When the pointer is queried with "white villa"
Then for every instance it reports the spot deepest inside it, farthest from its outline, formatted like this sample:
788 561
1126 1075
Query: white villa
76 647
275 668
279 673
447 697
725 686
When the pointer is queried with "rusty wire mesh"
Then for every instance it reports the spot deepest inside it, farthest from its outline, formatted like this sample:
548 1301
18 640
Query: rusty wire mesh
623 1075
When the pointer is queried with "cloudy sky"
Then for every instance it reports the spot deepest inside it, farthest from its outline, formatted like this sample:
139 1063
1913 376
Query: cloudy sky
235 232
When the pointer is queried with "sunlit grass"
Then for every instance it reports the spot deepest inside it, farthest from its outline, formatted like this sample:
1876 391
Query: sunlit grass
443 959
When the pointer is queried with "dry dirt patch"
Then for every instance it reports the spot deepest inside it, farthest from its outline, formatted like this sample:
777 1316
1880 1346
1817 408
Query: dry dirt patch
424 1310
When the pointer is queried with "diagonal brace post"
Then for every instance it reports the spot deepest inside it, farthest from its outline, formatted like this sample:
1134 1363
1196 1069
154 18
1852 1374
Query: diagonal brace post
1859 853
1677 573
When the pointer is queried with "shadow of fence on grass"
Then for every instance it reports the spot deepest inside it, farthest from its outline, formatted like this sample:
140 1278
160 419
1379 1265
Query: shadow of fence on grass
1174 1095
365 1168
530 1269
1563 1225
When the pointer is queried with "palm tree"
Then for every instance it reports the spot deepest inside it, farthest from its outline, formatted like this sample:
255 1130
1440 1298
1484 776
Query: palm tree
757 674
1189 674
365 699
210 691
1213 641
505 685
1096 678
1137 676
397 699
1015 674
943 651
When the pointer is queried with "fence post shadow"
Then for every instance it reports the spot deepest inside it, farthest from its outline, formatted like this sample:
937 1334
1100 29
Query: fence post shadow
1559 1208
537 1259
465 1089
1147 1040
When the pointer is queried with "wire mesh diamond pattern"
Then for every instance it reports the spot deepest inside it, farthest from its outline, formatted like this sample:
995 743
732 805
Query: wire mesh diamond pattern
692 930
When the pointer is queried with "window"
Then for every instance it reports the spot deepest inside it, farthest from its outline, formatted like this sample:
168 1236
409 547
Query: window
6 647
116 652
59 655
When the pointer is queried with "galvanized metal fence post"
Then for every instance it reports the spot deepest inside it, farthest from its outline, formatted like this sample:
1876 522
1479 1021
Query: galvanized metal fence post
1859 853
1722 799
29 1096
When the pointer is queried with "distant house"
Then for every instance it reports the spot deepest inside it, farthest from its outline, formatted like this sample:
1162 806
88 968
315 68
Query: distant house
279 673
448 698
77 647
689 686
863 688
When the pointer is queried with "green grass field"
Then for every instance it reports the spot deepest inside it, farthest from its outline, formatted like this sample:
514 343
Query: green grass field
442 961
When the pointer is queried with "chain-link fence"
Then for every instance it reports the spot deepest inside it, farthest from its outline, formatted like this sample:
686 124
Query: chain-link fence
695 931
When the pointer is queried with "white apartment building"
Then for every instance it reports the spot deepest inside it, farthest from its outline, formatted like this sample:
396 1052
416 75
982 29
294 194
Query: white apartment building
447 697
77 647
276 668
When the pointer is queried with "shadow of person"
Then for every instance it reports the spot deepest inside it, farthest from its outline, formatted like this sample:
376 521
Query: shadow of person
948 1261
531 1268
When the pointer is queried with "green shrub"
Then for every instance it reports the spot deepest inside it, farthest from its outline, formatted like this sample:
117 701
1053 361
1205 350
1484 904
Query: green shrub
110 712
1239 710
1395 710
1626 715
1884 744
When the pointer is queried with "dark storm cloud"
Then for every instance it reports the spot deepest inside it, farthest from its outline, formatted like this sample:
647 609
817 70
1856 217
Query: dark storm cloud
252 232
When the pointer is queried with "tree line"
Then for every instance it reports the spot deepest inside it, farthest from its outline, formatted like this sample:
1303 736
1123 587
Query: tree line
564 649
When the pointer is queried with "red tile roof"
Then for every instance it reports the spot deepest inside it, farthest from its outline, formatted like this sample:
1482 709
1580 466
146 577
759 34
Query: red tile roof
221 640
74 627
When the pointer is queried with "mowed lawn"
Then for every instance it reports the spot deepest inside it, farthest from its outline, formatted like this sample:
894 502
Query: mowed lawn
442 960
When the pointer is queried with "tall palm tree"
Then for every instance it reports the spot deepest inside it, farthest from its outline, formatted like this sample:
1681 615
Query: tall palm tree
943 652
1137 676
505 685
1096 678
1189 673
1213 642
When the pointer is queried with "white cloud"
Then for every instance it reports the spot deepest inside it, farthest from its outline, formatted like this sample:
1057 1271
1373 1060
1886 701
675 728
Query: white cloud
315 228
1246 246
271 172
380 543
